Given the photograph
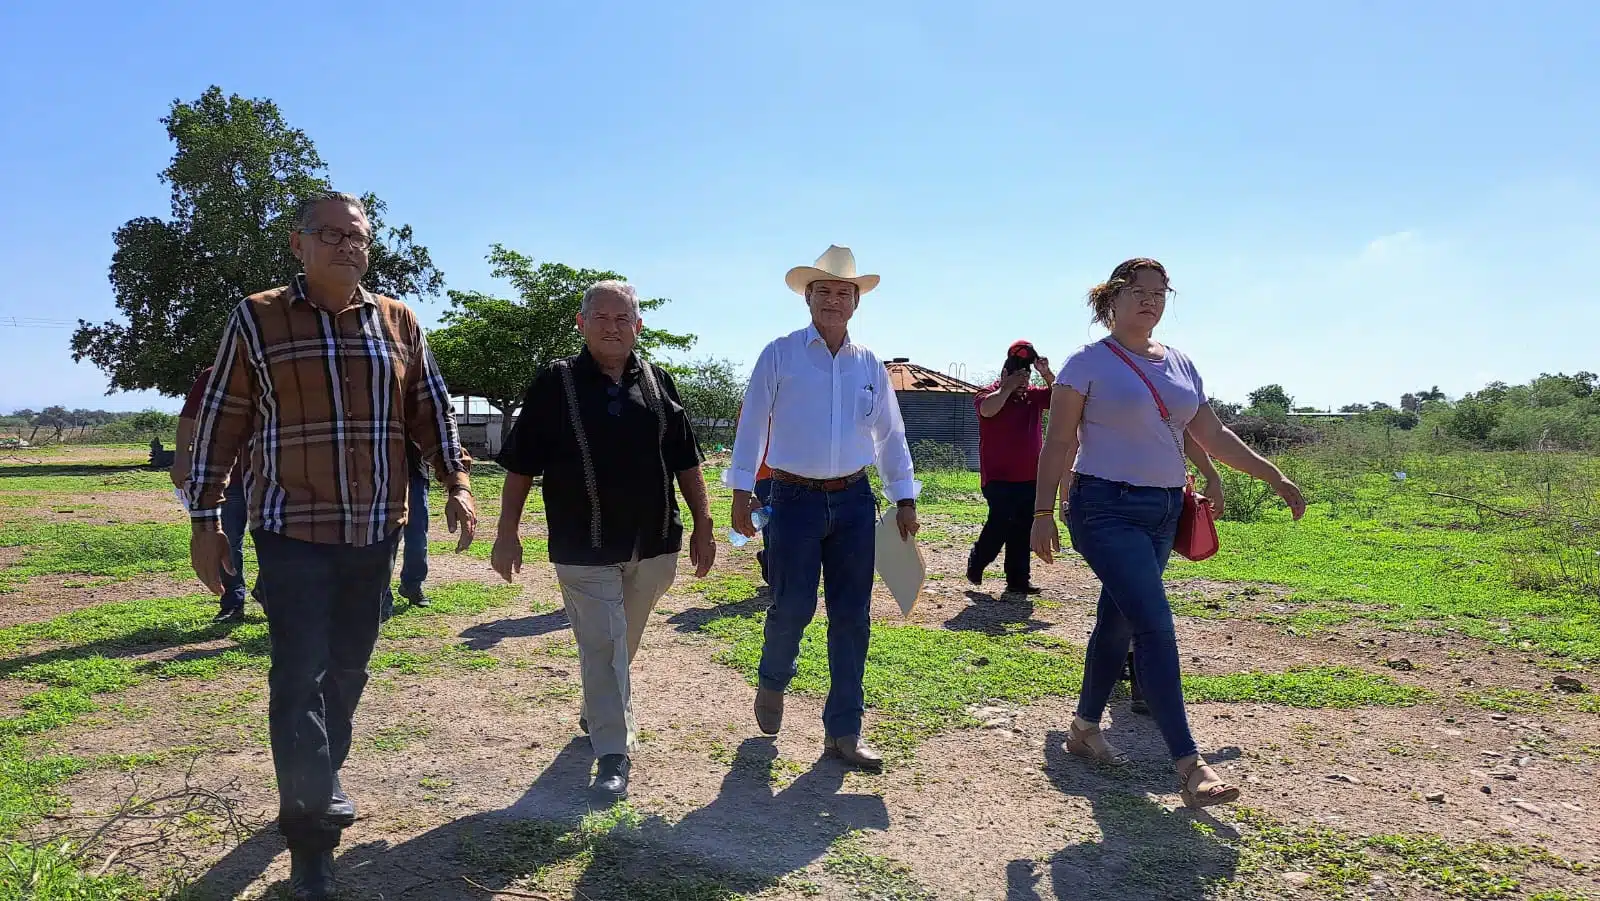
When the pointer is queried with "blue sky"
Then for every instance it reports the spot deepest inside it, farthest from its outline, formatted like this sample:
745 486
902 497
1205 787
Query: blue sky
1354 200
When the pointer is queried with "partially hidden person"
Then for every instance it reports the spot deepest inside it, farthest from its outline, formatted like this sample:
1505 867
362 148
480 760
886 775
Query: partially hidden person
235 514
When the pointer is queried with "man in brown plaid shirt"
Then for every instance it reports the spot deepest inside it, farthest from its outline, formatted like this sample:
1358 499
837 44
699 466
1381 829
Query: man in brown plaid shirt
322 384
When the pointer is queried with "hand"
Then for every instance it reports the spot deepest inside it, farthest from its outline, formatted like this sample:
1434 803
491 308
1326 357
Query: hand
506 558
1045 538
179 478
460 511
1290 492
1213 492
906 518
743 503
1017 379
1040 365
210 555
702 548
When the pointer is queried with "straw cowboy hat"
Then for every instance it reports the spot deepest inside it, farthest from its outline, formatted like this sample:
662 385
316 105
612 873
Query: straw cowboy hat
836 264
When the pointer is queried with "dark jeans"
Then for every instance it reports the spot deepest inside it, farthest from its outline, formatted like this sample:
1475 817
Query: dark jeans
235 519
414 557
1009 524
1125 534
322 603
763 495
828 537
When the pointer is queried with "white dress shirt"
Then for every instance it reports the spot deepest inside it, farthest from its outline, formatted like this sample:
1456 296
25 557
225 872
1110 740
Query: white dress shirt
828 415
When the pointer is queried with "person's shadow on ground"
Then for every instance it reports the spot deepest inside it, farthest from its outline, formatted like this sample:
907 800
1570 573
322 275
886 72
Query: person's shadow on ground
996 615
747 839
484 636
1145 851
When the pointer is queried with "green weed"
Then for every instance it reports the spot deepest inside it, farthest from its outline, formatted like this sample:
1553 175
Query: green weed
1342 862
117 551
922 681
870 875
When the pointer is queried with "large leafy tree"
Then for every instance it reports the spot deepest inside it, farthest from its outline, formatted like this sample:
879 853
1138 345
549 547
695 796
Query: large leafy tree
490 347
238 175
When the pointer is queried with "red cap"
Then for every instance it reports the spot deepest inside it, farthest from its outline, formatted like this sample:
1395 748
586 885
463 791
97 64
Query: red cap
1020 345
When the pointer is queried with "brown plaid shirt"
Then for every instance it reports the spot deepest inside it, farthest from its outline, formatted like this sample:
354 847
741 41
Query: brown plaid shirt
325 404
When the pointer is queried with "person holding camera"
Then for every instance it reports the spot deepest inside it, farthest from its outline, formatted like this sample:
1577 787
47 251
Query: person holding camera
1010 437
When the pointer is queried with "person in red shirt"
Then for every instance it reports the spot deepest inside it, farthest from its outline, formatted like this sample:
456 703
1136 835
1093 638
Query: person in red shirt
1010 436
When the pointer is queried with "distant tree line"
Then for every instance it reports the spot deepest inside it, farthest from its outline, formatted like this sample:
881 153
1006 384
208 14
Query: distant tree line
59 424
1554 412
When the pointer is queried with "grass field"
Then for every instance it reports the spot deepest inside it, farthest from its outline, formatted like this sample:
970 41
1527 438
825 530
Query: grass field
1381 677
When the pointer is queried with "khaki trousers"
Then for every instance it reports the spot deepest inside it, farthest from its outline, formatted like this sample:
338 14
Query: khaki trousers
609 606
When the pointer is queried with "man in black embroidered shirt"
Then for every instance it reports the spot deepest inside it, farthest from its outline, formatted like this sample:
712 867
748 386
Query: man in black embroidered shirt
607 433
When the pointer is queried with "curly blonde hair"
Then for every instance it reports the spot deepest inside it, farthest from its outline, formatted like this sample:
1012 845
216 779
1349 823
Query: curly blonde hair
1103 295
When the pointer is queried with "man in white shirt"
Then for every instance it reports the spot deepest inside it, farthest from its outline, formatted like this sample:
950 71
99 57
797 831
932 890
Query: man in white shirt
824 410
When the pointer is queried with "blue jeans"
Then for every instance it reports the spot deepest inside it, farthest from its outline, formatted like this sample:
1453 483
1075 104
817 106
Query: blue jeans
1125 534
763 495
235 519
414 557
828 537
414 565
322 603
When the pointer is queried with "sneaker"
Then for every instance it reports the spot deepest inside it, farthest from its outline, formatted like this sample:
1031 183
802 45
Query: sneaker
415 596
230 615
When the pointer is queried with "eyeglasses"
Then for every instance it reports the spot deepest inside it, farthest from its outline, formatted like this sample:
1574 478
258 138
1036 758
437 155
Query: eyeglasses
615 407
1151 295
334 237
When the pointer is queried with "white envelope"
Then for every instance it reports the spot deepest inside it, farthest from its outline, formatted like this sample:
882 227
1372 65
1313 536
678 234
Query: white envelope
899 562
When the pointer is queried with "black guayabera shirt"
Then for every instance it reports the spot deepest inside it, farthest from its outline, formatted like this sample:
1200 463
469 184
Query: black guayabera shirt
608 453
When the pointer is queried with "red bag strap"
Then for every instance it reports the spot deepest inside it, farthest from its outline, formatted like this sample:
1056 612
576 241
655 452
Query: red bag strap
1160 404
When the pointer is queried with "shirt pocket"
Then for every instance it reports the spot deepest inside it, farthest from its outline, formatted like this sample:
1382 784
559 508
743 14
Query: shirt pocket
866 403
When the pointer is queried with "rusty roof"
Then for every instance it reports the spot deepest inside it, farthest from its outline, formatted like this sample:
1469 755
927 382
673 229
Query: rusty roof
905 375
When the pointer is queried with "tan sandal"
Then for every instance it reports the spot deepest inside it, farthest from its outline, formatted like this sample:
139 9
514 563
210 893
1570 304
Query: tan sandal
1206 790
1081 743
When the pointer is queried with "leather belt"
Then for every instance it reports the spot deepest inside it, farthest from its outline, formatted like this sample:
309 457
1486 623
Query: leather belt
829 485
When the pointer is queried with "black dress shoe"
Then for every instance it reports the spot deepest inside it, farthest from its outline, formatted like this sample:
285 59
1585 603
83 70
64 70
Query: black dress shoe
583 724
415 596
1029 588
975 576
311 875
341 810
611 777
1138 704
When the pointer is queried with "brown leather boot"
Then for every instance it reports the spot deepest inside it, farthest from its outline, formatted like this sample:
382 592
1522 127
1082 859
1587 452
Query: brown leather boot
769 710
853 749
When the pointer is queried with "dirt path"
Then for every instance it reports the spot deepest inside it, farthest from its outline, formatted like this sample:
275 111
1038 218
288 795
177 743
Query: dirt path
456 771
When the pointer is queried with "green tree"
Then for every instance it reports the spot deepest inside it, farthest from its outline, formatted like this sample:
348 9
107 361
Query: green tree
491 347
237 177
712 391
153 423
1271 397
56 418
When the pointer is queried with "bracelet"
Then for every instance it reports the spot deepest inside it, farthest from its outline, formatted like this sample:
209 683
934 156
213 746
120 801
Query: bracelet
1040 514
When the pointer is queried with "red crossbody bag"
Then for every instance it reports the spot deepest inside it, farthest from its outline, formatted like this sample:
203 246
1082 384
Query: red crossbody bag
1197 528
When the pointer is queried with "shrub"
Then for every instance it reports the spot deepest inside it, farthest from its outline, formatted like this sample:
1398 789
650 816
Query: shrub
936 456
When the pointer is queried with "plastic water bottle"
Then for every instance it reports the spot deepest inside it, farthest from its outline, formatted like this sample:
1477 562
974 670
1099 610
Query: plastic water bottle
758 518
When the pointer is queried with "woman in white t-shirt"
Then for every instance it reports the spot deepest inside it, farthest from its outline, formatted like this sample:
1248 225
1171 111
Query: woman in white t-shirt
1126 488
